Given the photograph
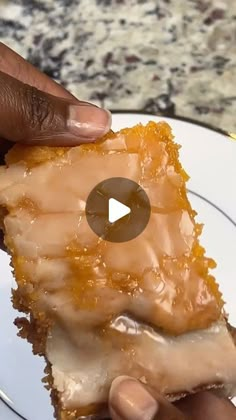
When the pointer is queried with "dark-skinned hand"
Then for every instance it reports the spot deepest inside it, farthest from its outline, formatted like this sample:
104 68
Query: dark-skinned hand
36 110
130 400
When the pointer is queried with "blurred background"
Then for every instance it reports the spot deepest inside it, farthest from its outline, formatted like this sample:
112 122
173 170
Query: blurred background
162 56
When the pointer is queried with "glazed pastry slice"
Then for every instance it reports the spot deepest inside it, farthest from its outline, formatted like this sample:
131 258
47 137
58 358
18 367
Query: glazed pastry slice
148 307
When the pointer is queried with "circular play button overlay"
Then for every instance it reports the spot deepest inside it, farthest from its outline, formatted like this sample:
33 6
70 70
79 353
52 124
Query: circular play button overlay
118 209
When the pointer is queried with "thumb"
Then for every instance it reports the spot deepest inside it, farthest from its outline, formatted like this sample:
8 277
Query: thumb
28 115
131 400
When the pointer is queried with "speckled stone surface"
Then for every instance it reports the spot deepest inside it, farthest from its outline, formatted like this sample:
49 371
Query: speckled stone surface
156 55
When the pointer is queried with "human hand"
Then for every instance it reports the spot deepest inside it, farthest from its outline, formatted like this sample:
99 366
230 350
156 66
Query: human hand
129 400
34 109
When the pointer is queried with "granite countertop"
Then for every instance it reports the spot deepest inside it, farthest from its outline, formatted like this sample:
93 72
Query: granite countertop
166 56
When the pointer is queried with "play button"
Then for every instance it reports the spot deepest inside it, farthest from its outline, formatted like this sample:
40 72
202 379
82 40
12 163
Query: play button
117 209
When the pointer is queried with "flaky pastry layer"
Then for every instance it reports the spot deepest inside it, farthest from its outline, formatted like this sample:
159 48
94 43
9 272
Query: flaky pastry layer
70 280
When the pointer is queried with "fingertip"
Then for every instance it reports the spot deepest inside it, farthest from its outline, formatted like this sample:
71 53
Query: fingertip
88 121
131 401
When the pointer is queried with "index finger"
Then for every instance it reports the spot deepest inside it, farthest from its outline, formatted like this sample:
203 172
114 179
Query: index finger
206 406
131 400
16 66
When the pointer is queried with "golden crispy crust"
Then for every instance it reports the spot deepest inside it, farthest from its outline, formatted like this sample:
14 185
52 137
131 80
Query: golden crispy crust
200 316
36 329
36 334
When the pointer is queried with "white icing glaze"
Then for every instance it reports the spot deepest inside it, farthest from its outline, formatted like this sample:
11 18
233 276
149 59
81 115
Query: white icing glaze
83 368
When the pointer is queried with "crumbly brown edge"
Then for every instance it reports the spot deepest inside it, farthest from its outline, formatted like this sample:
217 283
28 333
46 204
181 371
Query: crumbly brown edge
36 334
35 329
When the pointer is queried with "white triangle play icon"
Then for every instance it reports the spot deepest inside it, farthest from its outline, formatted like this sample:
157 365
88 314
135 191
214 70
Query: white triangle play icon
117 210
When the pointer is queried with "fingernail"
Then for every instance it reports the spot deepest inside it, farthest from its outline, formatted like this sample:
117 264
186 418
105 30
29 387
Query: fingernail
130 400
88 122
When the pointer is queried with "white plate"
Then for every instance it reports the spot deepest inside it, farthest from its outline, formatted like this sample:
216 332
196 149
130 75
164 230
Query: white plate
210 159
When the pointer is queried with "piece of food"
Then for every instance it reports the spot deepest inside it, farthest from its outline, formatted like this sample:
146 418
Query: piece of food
147 307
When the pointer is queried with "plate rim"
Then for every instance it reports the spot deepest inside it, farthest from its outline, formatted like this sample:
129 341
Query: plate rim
175 117
161 115
10 408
